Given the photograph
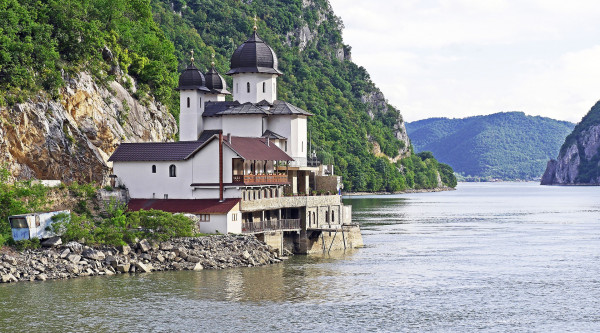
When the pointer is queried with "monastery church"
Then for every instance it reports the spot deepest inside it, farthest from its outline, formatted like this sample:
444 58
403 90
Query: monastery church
240 166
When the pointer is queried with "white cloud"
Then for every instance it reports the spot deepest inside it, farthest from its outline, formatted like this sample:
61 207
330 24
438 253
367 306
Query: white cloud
464 57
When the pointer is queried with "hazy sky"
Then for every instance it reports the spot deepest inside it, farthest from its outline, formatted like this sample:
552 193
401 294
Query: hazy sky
457 58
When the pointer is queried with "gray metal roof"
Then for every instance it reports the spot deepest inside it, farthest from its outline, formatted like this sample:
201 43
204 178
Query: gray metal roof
281 107
212 109
272 135
160 151
215 82
254 56
192 79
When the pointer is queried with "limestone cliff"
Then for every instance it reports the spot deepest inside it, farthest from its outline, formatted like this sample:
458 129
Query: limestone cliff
72 137
579 160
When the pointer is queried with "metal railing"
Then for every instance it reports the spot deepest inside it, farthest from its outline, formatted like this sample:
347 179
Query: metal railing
260 179
270 225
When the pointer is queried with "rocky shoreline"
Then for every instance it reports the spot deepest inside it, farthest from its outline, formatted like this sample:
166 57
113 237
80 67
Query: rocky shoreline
74 259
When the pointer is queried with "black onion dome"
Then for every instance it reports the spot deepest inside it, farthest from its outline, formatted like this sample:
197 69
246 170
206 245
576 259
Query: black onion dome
254 56
192 79
215 82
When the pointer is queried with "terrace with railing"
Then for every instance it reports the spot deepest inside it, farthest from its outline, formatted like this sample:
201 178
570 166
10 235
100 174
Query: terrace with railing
250 227
273 179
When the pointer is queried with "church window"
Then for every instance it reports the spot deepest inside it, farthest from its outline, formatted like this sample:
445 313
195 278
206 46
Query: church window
188 102
264 86
172 171
154 169
248 86
332 217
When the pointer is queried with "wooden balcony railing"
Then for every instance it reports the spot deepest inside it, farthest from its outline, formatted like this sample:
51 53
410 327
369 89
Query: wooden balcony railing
260 179
270 225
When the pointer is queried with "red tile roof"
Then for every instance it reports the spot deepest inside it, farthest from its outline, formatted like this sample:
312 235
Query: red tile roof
257 149
190 206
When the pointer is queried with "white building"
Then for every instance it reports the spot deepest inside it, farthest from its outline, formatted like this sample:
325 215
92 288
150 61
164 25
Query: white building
238 164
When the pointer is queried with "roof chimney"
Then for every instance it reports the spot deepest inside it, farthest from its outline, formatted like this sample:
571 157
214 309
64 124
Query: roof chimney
229 138
268 143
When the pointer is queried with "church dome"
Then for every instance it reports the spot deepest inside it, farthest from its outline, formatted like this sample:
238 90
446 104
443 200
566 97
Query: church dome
254 56
192 79
215 82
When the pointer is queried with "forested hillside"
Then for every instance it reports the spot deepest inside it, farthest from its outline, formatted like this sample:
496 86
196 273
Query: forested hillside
507 145
143 44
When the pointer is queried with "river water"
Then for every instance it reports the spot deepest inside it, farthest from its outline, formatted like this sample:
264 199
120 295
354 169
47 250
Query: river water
496 257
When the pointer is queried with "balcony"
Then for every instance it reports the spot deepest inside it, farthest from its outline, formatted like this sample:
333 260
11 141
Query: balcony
260 179
270 225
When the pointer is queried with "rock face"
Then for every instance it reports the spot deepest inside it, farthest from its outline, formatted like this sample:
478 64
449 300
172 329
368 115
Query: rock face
579 160
72 137
377 105
73 259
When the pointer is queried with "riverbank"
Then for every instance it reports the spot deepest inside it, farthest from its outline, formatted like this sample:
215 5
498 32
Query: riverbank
75 260
437 189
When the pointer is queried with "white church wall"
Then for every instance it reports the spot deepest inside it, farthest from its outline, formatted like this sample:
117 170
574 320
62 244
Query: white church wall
243 125
143 184
190 118
293 128
256 81
281 125
212 123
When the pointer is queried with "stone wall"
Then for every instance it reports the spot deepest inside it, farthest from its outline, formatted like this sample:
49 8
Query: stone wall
328 183
325 241
290 202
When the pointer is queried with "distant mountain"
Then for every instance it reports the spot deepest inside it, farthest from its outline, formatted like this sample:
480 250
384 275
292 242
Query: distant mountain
578 162
506 145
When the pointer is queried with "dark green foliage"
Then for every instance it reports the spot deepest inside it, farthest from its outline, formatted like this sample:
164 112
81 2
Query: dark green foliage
26 244
507 145
38 39
18 198
120 227
159 225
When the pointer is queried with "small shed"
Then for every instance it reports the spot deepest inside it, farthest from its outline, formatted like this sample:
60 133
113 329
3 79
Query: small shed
33 225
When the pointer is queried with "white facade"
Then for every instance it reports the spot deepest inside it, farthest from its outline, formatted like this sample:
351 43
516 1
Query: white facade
254 87
191 107
249 125
138 177
223 223
142 183
292 127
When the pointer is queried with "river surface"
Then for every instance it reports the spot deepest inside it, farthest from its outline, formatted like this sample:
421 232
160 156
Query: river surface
496 257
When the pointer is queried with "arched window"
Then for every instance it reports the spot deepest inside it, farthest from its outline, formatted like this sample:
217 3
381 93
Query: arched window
332 217
315 217
154 169
188 102
248 86
172 171
264 86
309 221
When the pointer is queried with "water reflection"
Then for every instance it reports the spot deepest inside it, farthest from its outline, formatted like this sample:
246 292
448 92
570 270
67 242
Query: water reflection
512 257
